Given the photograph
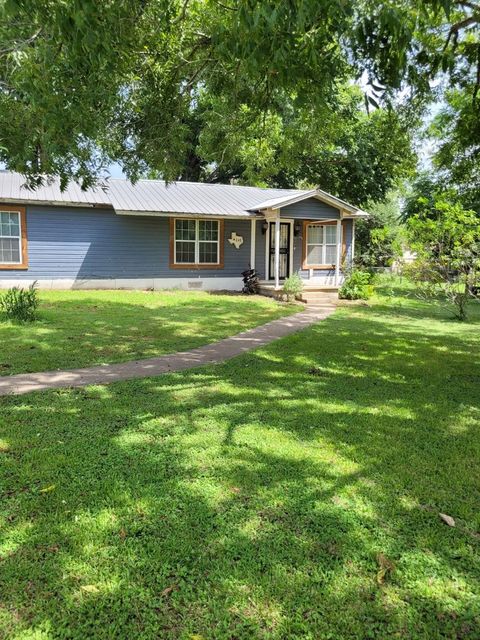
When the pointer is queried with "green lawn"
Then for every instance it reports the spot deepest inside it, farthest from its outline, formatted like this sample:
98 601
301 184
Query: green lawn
81 328
292 492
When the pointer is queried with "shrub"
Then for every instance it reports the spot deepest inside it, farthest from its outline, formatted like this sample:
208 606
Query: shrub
293 286
357 286
20 304
446 239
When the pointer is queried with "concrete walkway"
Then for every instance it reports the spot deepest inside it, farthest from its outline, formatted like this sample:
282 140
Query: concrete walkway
208 354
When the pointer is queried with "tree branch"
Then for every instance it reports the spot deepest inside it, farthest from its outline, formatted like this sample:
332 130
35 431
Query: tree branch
224 6
457 27
17 45
182 14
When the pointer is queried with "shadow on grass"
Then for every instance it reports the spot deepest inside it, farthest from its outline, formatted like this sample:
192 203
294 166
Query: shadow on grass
404 300
251 500
82 329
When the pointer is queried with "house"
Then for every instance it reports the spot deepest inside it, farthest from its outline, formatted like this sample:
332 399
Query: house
185 235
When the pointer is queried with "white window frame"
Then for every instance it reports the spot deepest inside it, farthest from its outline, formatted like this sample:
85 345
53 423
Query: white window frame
19 237
197 242
323 244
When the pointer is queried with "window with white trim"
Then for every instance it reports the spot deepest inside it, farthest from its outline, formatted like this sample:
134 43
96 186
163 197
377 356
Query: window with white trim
321 244
10 237
197 242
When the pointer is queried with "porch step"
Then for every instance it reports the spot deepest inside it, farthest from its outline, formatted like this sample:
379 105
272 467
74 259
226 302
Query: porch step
319 296
310 295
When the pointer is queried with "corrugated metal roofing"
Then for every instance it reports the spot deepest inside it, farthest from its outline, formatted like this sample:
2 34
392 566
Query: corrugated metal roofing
154 196
12 188
190 197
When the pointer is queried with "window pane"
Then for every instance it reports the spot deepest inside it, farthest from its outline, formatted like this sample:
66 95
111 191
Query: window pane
7 216
9 250
208 252
208 230
314 254
331 234
185 252
184 229
315 234
330 254
9 224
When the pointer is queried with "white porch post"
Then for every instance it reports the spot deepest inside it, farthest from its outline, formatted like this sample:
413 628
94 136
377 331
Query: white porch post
277 252
253 230
339 244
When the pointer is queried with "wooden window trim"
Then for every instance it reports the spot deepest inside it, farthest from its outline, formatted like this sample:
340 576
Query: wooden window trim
195 265
306 266
24 238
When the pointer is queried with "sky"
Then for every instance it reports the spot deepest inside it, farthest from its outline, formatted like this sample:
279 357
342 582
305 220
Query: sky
115 171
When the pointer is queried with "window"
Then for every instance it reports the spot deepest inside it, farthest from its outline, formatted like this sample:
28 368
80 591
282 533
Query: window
320 244
12 234
197 242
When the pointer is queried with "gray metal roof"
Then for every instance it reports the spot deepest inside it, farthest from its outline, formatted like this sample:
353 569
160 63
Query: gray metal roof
12 188
190 197
157 197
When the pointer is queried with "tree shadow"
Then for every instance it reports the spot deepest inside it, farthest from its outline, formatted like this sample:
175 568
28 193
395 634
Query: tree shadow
88 328
252 499
402 300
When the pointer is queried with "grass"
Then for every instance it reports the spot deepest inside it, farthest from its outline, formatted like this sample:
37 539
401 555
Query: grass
82 328
292 492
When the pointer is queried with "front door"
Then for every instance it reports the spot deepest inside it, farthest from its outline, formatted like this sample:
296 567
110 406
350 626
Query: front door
284 264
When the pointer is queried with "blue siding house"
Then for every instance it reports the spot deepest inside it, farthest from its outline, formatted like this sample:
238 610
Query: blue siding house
186 235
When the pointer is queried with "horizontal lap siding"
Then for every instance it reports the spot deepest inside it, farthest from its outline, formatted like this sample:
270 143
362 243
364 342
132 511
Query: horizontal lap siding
348 229
260 239
97 243
310 209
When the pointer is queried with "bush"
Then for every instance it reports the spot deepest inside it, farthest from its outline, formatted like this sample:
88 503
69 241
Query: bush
20 304
420 271
357 286
293 286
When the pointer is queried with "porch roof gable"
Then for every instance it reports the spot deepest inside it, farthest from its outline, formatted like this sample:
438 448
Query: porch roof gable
284 201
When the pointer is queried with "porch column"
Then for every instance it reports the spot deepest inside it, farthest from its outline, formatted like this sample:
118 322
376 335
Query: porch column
277 252
339 253
253 229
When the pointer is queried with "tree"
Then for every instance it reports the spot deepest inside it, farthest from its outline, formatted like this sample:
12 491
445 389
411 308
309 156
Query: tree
456 133
85 83
378 239
422 194
346 151
447 244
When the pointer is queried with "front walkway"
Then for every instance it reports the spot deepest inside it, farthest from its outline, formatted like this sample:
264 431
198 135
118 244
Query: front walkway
208 354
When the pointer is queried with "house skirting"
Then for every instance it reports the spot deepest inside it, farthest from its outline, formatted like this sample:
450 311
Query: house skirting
193 284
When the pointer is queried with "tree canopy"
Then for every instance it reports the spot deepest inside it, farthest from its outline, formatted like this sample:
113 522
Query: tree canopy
346 150
220 90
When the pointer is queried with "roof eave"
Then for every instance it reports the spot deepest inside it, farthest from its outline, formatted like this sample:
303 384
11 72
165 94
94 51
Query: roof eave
187 214
57 203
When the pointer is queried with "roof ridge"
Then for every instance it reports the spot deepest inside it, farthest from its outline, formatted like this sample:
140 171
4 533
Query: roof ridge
204 184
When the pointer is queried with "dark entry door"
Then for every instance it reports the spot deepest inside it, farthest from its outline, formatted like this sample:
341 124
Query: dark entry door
284 264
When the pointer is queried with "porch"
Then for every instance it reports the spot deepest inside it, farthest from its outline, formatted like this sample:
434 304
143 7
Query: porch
314 243
311 293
